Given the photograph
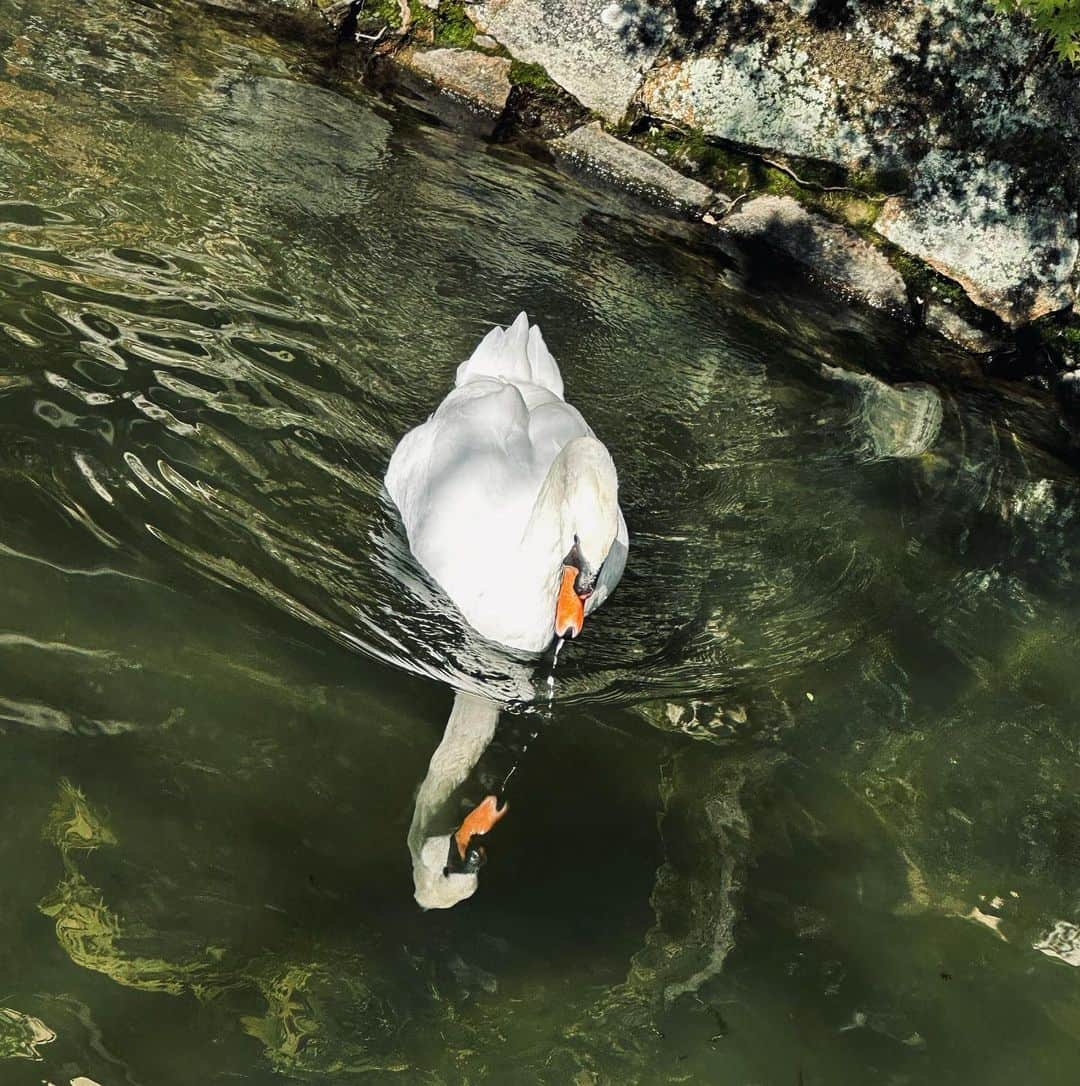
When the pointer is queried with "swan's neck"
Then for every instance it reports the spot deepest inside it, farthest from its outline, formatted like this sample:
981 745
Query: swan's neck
578 498
468 732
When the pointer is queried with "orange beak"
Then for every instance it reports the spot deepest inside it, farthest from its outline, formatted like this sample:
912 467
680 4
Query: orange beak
570 609
479 821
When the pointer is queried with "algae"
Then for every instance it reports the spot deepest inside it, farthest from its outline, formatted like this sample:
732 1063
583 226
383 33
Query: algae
314 1012
448 26
530 75
20 1035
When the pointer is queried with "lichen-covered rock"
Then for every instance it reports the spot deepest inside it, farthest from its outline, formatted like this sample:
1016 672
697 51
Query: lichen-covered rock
1009 238
481 80
590 148
763 97
830 252
596 52
864 83
944 87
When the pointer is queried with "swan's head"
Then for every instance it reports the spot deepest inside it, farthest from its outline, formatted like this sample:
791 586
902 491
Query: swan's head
590 525
445 871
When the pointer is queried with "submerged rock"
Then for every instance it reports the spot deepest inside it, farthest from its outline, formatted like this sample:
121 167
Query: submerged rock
832 252
481 80
1009 241
596 52
590 148
891 422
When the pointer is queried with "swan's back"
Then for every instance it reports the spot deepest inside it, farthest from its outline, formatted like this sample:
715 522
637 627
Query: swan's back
466 480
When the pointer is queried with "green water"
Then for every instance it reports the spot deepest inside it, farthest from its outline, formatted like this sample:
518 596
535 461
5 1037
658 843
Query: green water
806 810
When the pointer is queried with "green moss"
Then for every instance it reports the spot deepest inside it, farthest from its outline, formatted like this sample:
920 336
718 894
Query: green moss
852 198
449 26
453 28
927 282
877 184
530 75
1068 339
422 17
691 152
386 11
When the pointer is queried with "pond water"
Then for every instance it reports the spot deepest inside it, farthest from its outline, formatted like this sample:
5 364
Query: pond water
805 806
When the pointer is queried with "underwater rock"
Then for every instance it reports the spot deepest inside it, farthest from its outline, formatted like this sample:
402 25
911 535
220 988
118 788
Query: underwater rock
1008 239
591 149
892 422
598 53
481 80
831 252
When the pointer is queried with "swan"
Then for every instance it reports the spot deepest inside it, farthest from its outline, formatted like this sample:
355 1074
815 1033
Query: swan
509 500
511 504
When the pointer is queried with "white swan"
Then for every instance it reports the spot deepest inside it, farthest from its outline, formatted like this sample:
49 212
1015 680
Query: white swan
512 505
509 500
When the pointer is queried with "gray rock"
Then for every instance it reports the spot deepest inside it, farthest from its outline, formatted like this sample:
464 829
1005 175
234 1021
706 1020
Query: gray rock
949 324
591 148
596 52
1008 238
776 99
481 80
485 41
831 252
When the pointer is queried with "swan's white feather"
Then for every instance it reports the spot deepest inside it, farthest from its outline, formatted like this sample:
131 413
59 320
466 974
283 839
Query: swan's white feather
467 483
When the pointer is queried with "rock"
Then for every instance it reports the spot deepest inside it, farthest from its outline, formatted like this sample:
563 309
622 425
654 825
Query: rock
761 97
831 252
1008 238
591 148
598 53
949 324
891 422
481 80
485 41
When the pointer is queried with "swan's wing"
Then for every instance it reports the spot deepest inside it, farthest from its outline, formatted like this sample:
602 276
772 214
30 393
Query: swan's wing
465 482
551 425
517 354
612 570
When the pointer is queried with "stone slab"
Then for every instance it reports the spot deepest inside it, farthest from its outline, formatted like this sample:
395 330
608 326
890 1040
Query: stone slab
770 99
482 80
831 252
597 52
590 148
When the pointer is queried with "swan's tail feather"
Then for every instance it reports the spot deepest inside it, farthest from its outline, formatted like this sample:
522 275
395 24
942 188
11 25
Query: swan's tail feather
516 354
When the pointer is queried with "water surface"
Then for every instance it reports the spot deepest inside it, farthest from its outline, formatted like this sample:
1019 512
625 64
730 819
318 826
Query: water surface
806 807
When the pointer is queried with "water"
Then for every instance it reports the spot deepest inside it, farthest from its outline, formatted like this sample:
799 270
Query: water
805 810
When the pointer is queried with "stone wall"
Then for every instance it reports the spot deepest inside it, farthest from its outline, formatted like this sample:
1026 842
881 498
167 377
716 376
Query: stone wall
940 137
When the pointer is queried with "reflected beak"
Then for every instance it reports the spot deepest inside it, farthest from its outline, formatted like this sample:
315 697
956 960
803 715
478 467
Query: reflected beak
478 822
570 609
